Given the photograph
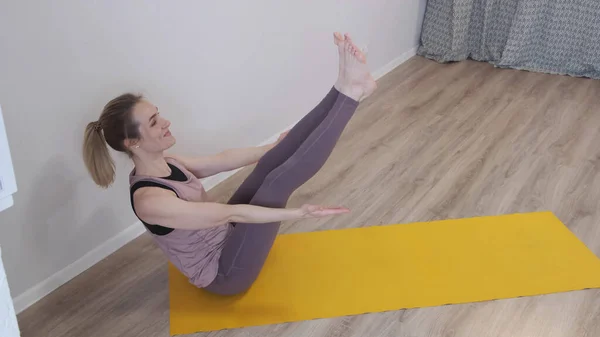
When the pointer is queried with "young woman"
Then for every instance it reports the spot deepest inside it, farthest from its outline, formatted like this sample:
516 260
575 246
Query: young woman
222 247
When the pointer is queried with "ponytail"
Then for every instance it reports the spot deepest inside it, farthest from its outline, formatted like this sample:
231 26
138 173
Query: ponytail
96 157
115 125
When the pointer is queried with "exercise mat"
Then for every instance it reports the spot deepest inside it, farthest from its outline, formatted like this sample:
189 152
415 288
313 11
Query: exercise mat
373 269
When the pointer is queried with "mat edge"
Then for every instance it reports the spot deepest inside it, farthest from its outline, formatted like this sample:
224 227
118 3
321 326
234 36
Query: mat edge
232 328
414 223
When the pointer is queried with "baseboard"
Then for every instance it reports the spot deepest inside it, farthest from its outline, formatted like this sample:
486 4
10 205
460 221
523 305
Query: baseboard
379 73
61 277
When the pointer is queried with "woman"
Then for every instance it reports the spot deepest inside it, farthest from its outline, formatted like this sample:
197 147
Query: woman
222 247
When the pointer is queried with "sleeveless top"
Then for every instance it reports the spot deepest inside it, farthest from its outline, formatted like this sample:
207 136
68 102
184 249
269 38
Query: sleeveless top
195 253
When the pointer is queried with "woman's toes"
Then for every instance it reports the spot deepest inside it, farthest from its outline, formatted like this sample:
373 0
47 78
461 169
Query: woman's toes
338 38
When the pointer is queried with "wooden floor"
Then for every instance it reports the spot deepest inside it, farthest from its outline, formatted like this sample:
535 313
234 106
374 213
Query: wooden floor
435 142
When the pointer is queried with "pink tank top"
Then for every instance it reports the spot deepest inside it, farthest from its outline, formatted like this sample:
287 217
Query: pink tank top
195 253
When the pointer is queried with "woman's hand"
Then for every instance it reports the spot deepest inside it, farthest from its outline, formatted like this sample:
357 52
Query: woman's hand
314 211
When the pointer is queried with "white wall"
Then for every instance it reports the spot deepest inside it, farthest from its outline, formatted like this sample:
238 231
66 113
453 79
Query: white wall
226 73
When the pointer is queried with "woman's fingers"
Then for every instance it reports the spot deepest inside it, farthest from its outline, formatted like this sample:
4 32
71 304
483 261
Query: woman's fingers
322 211
332 211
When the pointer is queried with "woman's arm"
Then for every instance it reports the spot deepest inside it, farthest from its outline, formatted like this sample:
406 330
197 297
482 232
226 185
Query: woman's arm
228 160
159 206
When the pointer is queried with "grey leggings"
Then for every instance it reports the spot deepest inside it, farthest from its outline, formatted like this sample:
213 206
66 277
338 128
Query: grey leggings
277 175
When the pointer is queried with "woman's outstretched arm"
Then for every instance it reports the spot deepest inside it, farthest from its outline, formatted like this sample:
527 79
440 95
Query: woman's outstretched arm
158 206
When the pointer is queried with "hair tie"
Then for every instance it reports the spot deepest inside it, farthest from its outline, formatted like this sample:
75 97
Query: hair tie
97 126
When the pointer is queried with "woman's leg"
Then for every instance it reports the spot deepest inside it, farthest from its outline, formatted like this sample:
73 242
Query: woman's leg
294 138
248 246
282 151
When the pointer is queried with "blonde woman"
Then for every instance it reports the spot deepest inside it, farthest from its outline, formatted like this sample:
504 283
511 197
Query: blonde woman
222 247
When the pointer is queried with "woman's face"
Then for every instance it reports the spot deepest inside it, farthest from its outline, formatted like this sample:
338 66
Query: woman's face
154 130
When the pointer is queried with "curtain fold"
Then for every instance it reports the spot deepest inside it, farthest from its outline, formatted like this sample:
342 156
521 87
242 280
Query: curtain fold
551 36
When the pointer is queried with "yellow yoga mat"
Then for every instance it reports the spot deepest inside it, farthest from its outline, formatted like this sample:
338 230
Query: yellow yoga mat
373 269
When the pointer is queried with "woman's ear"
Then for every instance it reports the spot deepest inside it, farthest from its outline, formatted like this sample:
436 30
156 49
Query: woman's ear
131 143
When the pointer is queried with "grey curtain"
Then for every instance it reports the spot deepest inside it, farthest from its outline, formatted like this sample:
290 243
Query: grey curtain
551 36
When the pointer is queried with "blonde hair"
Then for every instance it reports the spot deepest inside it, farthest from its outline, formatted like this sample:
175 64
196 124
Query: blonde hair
115 125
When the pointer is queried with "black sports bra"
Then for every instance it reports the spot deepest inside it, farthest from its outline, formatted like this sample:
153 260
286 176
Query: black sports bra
176 175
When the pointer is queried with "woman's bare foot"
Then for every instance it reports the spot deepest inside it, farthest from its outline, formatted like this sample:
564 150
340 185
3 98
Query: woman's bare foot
354 79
